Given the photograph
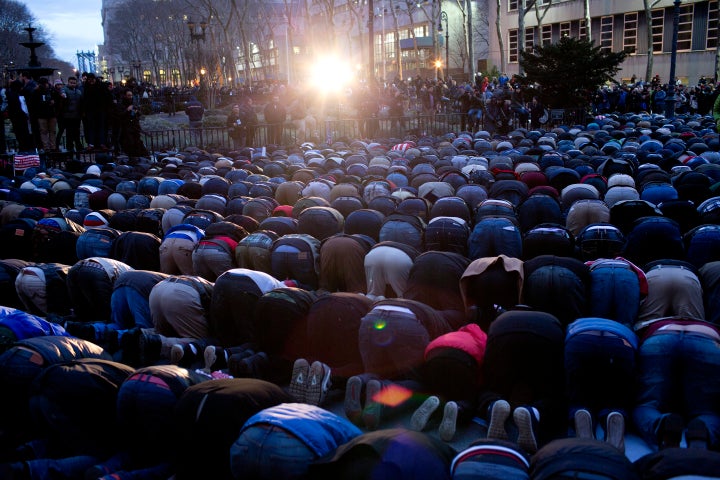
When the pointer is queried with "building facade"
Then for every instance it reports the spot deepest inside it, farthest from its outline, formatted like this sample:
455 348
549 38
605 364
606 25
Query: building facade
616 25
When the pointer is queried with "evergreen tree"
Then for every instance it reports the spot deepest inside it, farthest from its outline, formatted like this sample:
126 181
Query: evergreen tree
569 71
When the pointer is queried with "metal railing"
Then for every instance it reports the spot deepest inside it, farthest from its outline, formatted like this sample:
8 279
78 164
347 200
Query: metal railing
218 138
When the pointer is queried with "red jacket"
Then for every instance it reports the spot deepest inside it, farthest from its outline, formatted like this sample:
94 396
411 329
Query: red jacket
469 338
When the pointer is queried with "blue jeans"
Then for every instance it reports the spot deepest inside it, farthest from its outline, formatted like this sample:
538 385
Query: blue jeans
495 236
61 468
268 451
599 372
402 232
678 373
288 262
615 294
130 309
93 244
703 247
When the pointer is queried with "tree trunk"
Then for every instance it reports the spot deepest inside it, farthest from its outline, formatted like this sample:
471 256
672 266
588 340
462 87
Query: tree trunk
499 32
588 23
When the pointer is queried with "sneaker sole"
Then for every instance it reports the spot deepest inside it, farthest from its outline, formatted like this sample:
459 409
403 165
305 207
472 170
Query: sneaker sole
526 436
353 408
210 358
299 379
421 417
448 425
319 383
615 432
373 409
583 424
176 354
498 416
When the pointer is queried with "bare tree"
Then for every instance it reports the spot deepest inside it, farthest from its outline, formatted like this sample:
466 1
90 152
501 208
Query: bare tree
648 6
541 12
14 18
498 31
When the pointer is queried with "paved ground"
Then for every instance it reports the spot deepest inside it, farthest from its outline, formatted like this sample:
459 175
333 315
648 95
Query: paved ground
476 429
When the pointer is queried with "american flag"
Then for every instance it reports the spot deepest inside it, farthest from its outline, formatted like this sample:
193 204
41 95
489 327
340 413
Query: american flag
23 162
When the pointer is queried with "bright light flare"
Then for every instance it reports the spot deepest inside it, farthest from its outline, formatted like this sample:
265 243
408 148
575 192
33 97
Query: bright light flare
393 395
331 73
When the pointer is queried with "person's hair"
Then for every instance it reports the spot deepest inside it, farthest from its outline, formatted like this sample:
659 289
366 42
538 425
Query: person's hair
71 78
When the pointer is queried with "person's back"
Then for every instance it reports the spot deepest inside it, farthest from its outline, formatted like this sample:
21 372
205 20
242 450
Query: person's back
194 110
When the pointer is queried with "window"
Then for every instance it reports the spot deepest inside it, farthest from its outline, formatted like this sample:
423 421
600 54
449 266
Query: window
657 18
630 30
546 34
529 39
685 28
582 30
513 45
390 45
606 33
512 5
711 40
564 29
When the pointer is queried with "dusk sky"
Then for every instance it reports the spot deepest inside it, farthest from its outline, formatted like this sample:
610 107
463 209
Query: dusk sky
73 25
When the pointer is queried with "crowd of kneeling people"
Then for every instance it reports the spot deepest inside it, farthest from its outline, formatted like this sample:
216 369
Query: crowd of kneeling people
191 317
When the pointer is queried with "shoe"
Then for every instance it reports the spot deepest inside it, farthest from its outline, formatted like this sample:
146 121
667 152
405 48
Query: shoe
216 358
82 330
319 383
526 434
184 355
130 347
353 408
670 431
615 430
583 424
696 435
448 425
373 408
421 417
499 413
253 366
112 340
299 379
150 345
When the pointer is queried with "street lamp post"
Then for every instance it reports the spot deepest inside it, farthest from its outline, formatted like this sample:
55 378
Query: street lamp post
136 64
197 35
670 100
444 18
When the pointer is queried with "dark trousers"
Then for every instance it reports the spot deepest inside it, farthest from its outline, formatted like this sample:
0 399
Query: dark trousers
524 365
